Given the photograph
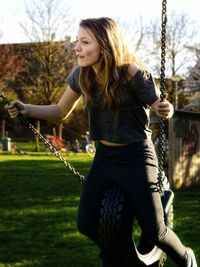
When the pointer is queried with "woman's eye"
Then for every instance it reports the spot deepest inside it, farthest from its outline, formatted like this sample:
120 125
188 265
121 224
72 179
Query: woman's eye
85 42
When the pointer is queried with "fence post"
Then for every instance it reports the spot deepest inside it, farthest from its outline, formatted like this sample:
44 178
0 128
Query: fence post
37 147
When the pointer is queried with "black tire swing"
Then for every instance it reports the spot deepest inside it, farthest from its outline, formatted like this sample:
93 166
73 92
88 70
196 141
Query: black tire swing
116 224
116 216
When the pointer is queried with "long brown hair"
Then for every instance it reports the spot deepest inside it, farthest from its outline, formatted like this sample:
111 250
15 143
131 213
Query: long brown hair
115 57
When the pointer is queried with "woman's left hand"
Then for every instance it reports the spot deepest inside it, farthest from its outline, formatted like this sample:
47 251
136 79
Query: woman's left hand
164 109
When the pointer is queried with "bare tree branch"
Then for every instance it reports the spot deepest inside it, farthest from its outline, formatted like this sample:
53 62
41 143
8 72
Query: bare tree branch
48 56
47 20
181 31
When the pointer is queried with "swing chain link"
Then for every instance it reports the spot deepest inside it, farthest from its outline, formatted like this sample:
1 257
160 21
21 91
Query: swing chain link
161 175
81 178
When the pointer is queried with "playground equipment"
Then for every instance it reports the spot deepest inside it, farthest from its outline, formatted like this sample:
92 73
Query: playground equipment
116 215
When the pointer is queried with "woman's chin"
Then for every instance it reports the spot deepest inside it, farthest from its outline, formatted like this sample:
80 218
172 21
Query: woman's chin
81 64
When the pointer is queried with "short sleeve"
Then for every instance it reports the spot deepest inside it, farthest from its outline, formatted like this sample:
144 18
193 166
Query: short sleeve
73 80
145 89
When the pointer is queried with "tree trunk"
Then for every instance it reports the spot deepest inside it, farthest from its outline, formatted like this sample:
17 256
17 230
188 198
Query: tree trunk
3 134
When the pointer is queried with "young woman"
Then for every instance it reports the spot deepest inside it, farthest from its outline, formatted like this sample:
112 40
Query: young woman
118 93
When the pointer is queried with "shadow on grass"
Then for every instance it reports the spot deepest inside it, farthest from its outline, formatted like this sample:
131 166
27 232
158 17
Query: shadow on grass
38 206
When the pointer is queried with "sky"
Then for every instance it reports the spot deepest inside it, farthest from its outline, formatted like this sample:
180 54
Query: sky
13 11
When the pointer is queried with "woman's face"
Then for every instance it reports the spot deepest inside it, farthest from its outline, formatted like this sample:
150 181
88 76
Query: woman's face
87 48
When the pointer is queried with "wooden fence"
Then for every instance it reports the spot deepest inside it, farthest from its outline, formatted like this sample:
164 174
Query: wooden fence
184 149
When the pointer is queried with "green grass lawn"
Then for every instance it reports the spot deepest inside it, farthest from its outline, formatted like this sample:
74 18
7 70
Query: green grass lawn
38 206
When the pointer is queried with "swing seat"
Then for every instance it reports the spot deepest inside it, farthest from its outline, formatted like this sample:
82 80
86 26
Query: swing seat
116 222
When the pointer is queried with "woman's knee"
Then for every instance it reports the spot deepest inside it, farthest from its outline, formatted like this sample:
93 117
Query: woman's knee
157 235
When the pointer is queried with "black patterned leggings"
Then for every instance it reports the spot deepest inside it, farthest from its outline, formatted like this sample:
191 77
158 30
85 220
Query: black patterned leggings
134 167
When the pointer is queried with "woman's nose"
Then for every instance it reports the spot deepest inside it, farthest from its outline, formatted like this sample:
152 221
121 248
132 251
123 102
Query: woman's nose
77 47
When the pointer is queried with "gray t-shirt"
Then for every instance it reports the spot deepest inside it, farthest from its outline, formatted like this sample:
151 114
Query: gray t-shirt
129 123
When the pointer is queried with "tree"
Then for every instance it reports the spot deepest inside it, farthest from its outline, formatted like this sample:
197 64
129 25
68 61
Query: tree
181 32
135 33
48 55
47 66
11 64
47 20
191 86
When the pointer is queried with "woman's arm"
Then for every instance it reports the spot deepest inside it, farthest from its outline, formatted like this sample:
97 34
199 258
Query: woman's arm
55 112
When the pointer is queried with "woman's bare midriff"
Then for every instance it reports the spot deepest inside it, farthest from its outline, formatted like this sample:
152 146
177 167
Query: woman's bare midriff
104 142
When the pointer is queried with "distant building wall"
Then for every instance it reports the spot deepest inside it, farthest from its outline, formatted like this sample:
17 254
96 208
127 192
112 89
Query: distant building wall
184 149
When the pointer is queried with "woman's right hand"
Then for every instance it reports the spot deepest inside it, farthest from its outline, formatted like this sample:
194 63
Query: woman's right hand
15 107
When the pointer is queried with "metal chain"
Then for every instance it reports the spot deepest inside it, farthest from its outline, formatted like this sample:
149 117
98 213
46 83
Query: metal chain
161 174
81 178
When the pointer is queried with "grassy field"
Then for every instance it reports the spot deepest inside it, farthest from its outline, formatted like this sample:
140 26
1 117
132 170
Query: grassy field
38 206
